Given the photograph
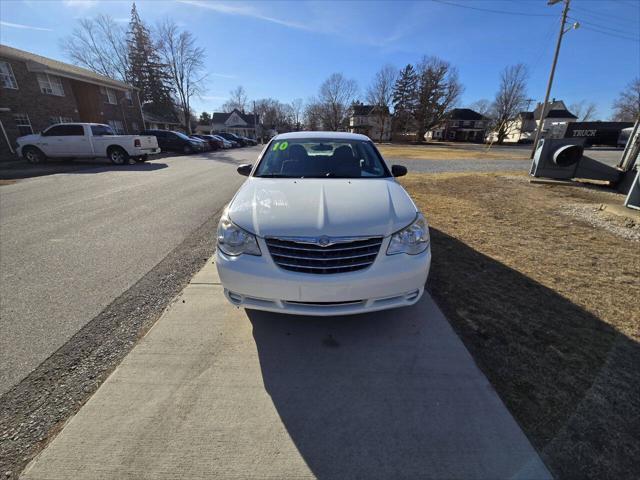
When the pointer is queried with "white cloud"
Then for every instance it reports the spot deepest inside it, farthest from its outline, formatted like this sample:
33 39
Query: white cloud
222 75
25 27
319 20
80 3
245 11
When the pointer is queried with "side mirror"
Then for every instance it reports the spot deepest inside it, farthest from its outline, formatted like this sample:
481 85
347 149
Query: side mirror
245 169
398 170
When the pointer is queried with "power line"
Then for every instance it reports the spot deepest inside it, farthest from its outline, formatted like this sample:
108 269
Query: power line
548 36
501 12
629 2
592 13
611 34
602 27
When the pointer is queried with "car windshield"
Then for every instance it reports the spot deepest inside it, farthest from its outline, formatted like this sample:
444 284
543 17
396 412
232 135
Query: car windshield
321 158
182 136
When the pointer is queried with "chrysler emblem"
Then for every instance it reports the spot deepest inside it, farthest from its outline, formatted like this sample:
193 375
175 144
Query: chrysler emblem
324 241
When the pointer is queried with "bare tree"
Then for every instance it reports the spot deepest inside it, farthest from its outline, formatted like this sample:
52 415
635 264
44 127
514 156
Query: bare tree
510 99
626 107
297 105
380 94
313 115
483 107
438 91
584 110
275 115
335 95
99 44
185 64
237 100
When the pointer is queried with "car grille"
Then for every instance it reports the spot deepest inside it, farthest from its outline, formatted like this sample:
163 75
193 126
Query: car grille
346 255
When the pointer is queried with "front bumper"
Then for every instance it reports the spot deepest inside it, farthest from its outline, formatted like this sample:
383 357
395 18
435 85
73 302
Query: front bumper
258 283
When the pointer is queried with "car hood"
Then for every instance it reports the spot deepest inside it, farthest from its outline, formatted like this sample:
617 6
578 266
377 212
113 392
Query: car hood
29 138
312 207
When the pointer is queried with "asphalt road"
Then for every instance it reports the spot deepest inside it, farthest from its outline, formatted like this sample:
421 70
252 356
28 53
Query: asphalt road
72 243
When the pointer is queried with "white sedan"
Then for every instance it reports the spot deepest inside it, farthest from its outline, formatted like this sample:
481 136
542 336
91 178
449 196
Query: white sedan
321 227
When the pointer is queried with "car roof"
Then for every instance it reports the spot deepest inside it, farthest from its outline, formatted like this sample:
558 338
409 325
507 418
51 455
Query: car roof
319 134
81 123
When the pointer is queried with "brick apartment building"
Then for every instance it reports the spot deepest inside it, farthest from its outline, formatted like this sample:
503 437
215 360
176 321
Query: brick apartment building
36 92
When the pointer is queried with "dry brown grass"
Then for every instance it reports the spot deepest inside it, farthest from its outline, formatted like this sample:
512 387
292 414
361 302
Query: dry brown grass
548 304
449 152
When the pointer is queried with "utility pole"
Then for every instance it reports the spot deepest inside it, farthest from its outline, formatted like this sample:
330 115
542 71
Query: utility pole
529 101
553 71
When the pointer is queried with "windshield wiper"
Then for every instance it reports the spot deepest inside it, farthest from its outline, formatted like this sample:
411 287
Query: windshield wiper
275 175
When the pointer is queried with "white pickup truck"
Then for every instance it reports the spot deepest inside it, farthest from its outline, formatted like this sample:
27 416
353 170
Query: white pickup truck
86 140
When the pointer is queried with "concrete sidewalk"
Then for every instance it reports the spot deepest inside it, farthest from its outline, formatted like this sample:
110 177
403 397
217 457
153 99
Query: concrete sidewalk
216 392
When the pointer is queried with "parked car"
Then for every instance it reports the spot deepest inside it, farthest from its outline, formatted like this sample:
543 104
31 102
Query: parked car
205 147
321 227
250 141
171 141
232 138
85 140
225 143
213 142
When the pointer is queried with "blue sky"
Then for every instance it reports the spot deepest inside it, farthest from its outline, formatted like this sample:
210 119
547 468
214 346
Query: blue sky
286 49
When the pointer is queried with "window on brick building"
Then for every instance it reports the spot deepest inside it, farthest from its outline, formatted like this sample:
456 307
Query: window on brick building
50 84
135 128
7 78
117 126
23 123
108 95
54 120
127 95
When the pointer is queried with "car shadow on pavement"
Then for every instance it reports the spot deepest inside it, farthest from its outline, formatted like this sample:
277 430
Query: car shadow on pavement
372 396
20 170
386 395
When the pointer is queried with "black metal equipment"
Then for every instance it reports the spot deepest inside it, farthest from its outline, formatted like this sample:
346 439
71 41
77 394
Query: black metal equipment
564 159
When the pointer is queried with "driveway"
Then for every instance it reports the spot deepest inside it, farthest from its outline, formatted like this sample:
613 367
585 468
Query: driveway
217 392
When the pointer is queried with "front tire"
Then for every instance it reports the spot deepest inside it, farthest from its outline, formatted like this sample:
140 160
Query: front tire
118 156
33 155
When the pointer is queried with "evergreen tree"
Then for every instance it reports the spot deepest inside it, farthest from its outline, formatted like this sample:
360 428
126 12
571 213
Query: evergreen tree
405 100
205 119
146 71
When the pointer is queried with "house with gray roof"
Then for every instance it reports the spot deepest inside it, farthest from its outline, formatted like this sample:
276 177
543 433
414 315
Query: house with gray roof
461 125
523 128
237 122
374 121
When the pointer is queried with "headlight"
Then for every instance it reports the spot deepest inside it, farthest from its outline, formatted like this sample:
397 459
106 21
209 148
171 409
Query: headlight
412 240
235 241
